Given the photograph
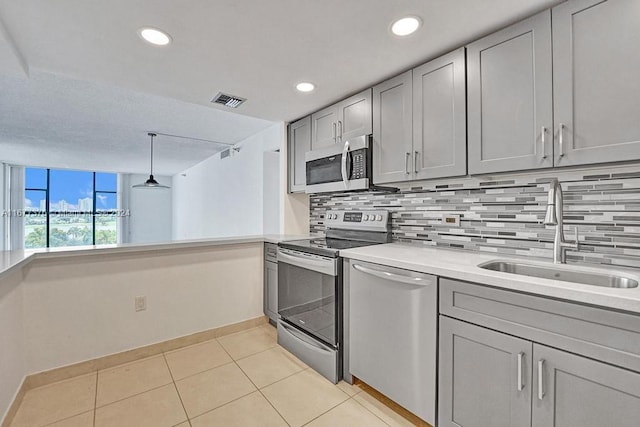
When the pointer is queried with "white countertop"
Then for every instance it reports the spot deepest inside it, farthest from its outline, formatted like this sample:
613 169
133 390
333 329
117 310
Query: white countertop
463 265
11 260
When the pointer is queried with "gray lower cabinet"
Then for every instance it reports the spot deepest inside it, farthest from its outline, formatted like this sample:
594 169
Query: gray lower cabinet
270 301
345 120
510 114
514 359
595 81
484 377
572 391
419 122
299 144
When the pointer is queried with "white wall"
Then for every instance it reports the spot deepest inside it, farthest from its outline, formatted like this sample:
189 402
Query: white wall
150 210
225 197
271 192
12 340
82 307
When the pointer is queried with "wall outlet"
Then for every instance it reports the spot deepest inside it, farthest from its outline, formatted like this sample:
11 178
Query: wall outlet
451 220
141 303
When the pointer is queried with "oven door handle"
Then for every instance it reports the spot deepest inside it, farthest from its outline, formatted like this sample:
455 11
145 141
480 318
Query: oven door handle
320 266
415 281
304 339
345 167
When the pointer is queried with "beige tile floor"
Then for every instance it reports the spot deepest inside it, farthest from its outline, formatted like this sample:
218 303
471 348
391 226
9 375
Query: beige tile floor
244 379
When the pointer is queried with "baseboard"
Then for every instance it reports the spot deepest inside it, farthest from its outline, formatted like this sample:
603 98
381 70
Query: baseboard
65 372
13 408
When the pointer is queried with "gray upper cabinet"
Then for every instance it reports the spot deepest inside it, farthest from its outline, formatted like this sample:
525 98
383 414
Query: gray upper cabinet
439 117
354 116
510 113
299 144
596 81
392 129
347 119
419 122
484 377
571 391
324 125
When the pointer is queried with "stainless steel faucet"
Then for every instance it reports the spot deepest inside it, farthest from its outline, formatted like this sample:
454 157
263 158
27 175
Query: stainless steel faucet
554 216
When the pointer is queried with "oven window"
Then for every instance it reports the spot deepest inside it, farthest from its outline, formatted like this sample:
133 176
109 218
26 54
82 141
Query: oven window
307 299
327 169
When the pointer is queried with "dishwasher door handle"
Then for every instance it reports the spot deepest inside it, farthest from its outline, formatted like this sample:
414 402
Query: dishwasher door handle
415 281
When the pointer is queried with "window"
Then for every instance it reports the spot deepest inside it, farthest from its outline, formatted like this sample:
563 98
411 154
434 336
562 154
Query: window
69 208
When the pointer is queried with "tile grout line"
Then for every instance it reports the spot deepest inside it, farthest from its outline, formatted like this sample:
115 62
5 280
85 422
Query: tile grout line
367 409
257 388
175 386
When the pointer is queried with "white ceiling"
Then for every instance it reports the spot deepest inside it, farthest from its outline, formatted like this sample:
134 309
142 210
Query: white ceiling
257 49
55 121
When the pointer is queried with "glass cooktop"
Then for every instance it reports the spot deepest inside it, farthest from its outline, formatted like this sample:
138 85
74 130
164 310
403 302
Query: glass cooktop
324 246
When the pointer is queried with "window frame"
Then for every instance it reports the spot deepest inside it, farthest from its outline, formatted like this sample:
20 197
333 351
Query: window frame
48 211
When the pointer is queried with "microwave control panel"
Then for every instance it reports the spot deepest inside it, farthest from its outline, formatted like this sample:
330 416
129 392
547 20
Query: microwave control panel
359 169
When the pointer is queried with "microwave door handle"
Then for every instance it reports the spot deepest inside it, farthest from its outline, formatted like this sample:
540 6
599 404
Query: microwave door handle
345 169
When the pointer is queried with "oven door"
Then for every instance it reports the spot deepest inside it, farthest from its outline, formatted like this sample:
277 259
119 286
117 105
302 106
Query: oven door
309 294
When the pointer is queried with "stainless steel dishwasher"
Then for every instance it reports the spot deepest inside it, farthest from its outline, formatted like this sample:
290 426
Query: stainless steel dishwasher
393 316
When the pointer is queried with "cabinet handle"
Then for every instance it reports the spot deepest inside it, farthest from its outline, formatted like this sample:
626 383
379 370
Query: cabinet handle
406 164
520 373
544 132
540 379
415 161
561 139
340 129
335 133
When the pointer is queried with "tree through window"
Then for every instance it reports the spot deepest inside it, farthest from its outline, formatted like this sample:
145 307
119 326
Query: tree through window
69 208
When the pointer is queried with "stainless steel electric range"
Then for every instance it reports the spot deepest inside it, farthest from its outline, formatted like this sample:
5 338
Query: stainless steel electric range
310 297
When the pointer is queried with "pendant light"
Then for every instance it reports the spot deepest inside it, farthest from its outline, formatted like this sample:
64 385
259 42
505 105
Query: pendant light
151 183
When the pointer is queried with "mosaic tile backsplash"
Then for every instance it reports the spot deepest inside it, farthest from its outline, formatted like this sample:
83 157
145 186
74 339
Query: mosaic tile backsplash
504 214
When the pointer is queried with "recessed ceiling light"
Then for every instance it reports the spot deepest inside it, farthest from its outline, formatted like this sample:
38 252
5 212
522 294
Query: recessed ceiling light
305 87
155 36
405 26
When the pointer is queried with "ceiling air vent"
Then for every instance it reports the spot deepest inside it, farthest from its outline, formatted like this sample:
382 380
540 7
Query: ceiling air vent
224 154
230 101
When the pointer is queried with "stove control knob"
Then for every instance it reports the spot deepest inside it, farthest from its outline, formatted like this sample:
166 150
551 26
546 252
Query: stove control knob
366 218
332 216
378 217
372 218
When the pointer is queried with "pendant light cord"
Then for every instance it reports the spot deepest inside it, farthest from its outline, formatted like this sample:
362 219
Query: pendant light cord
151 135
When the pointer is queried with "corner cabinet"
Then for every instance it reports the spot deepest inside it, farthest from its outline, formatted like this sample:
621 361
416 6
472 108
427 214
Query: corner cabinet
419 122
299 144
340 122
511 359
596 69
510 98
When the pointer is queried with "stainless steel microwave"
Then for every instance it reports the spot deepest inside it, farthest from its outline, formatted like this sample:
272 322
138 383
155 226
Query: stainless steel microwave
340 167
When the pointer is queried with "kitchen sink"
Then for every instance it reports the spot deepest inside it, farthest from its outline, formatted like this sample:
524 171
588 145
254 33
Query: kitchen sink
563 273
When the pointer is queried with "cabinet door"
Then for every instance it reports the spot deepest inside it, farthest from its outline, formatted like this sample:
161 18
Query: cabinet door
484 377
324 127
299 144
439 117
510 98
392 129
577 391
596 69
271 290
354 116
